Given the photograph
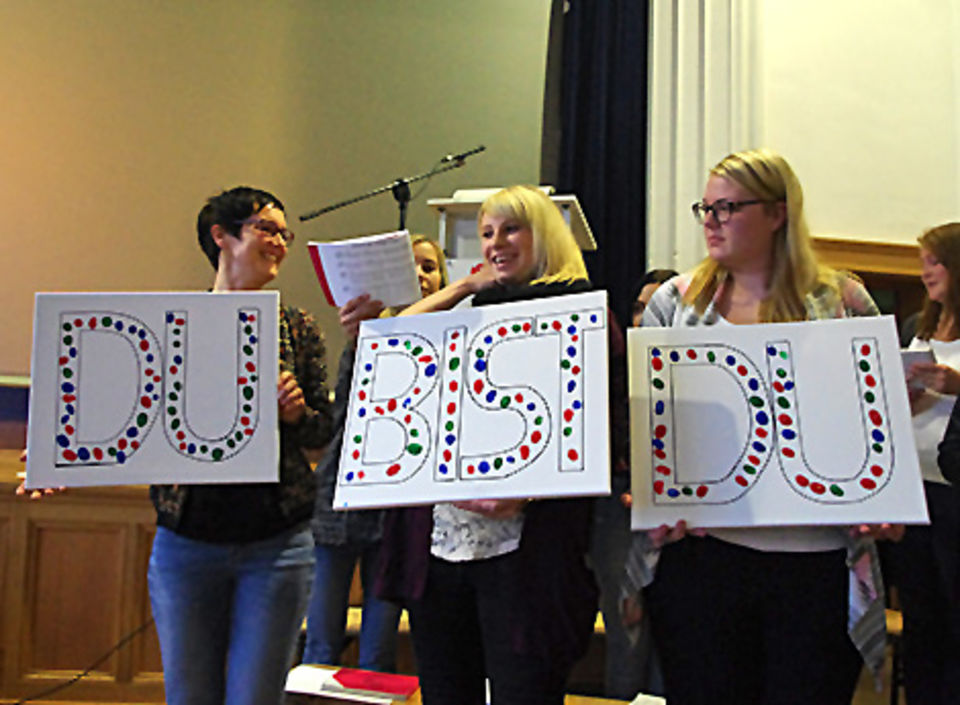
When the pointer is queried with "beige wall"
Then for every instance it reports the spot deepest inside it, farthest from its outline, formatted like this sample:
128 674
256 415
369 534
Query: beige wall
120 117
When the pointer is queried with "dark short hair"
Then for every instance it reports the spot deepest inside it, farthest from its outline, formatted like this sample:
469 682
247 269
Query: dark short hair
654 276
229 210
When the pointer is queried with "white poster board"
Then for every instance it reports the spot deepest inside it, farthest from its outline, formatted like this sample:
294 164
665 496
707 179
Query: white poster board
774 424
153 388
488 402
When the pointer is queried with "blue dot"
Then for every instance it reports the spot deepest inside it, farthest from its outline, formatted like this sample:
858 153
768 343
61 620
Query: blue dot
762 418
593 318
368 367
430 370
753 384
673 492
252 339
480 365
156 397
192 448
657 443
148 387
788 385
121 456
178 360
83 454
674 355
443 468
572 330
531 406
577 404
511 459
362 413
406 402
118 325
67 387
149 357
571 351
484 467
877 435
655 352
571 385
450 438
132 329
771 350
491 395
132 432
731 360
63 441
64 418
488 339
69 408
142 334
759 447
170 317
243 316
393 342
73 352
788 433
350 476
658 408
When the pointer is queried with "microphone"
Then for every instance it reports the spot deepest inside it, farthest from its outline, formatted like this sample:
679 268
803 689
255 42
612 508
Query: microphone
463 155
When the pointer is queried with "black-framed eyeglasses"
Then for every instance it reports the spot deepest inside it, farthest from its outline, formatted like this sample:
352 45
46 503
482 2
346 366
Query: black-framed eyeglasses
267 228
722 209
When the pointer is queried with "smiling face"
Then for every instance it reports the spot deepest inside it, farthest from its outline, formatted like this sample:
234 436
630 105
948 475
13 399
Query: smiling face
428 268
745 241
252 258
935 276
507 246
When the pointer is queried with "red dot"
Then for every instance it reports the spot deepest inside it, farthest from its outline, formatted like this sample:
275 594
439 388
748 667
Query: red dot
785 419
69 455
392 405
245 420
663 469
572 454
691 353
526 327
144 345
778 386
361 395
183 446
451 408
501 331
868 484
356 455
407 418
518 398
92 322
870 381
69 398
875 417
865 349
876 470
660 431
77 322
122 443
241 380
478 386
657 364
393 469
248 431
134 444
173 369
156 378
148 372
455 335
659 453
574 338
425 358
817 488
251 317
535 437
379 410
741 370
789 452
471 469
181 321
557 325
98 453
576 369
374 346
741 480
145 402
802 480
361 474
447 454
416 390
658 486
568 415
754 460
251 368
524 452
64 360
702 491
181 435
454 386
69 429
761 432
453 347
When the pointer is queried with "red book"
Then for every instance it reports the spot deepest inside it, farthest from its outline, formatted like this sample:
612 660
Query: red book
374 683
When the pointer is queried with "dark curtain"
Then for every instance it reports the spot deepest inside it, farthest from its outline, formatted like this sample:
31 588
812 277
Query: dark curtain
595 127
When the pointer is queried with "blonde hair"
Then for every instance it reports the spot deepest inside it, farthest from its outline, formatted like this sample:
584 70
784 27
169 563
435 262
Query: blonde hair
438 251
943 242
556 253
794 269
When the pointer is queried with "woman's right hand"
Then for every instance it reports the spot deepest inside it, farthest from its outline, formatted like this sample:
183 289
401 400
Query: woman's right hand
665 534
355 311
480 277
34 494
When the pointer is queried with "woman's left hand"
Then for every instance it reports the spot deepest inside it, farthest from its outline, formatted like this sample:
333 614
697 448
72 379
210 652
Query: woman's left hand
290 398
494 508
938 378
885 531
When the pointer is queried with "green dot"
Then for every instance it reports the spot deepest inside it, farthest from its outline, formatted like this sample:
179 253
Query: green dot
865 366
357 438
448 425
711 356
230 443
365 380
177 386
454 363
111 451
248 393
172 410
238 435
414 449
836 490
141 420
658 383
68 326
749 469
67 372
783 354
217 453
575 317
479 353
176 331
68 340
543 326
414 432
417 350
687 490
176 343
247 350
565 364
247 408
248 329
406 344
515 327
781 373
877 448
175 424
567 430
783 402
106 320
538 420
870 397
497 463
756 401
203 449
172 396
504 402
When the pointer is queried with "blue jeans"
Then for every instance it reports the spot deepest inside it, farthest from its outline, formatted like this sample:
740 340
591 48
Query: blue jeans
228 615
631 667
327 617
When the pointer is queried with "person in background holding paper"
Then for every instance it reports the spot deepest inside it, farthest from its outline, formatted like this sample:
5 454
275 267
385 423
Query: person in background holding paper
758 616
231 565
342 539
498 588
928 559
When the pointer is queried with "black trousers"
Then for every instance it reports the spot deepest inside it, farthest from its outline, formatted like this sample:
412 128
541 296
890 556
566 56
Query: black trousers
744 627
465 629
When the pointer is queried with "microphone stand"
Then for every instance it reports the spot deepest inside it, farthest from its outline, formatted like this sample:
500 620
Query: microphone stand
400 188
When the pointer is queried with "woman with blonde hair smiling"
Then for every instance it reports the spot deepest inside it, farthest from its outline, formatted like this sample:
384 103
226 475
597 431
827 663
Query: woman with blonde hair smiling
756 615
499 588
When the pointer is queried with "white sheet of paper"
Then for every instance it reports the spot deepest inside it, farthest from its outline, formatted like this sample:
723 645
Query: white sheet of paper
379 265
153 388
774 424
489 402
